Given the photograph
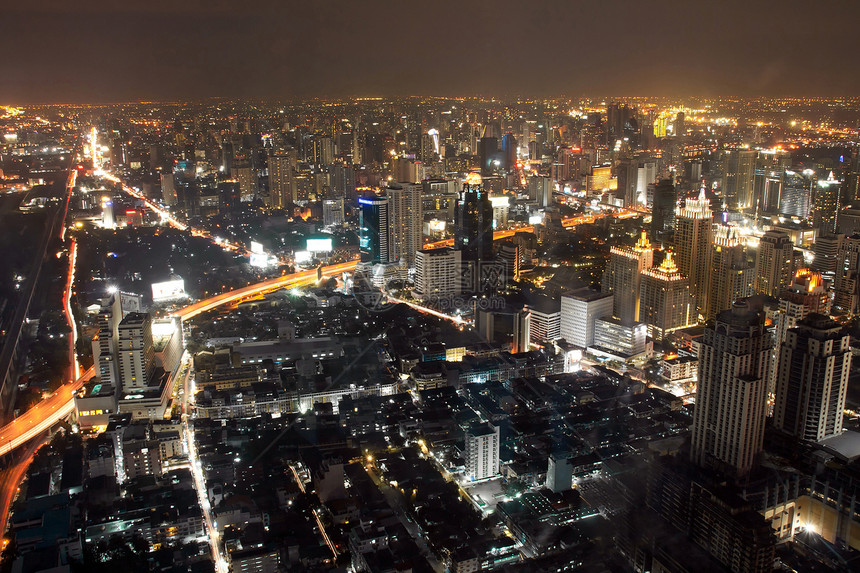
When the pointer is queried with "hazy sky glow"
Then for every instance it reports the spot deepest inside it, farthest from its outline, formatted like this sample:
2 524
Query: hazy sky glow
103 50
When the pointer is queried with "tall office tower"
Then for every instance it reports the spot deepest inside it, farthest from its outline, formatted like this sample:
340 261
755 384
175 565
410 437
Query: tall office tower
625 173
774 263
853 181
104 344
509 256
846 284
693 238
407 221
227 152
826 249
375 229
473 231
565 166
488 152
118 152
579 309
247 178
342 178
509 152
168 189
733 275
825 204
796 198
333 212
665 302
134 349
806 295
281 166
646 174
738 178
663 209
437 273
540 190
812 382
482 451
623 275
731 401
680 124
767 180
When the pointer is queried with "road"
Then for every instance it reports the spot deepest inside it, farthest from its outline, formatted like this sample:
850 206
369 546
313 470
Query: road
55 228
397 505
221 565
286 281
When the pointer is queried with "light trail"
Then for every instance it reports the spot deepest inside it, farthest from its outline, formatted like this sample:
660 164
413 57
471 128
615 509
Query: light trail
67 307
316 515
221 565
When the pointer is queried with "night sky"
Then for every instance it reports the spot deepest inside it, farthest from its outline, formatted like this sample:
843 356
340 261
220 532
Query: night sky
81 51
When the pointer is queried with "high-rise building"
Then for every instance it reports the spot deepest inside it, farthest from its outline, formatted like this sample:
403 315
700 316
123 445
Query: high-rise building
473 231
826 249
482 451
767 180
774 263
333 212
375 229
796 197
617 340
437 273
407 220
738 178
733 273
812 379
540 190
846 284
825 204
646 174
281 165
693 238
731 401
579 310
623 275
135 352
666 303
663 209
168 189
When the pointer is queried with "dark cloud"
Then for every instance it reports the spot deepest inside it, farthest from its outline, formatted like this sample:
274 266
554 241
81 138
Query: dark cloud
102 50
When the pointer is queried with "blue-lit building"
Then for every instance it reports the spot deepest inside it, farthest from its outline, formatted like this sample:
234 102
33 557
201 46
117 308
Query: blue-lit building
375 229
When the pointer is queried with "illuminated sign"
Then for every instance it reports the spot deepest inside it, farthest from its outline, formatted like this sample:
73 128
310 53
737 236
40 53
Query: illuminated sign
303 257
257 248
259 260
319 245
168 290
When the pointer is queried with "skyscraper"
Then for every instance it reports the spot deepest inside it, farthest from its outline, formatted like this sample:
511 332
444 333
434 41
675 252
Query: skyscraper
474 221
846 284
738 179
134 349
825 204
693 237
437 273
665 300
731 401
663 209
733 275
826 249
796 197
281 166
407 220
623 276
375 229
774 263
813 379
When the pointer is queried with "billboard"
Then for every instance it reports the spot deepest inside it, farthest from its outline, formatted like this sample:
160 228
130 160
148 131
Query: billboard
303 257
256 247
319 245
168 290
259 260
